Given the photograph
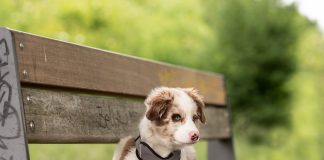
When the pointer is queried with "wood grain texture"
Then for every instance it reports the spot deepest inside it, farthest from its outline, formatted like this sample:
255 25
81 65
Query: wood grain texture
58 63
68 117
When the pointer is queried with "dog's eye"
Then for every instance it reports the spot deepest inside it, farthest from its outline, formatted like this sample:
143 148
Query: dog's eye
176 117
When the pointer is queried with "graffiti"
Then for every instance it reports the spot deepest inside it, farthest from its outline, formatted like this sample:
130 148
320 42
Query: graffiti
2 158
111 117
10 127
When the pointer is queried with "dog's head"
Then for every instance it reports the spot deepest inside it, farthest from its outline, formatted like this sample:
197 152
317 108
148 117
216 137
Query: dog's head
175 114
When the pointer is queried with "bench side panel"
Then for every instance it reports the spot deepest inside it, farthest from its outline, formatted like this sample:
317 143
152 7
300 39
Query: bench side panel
13 145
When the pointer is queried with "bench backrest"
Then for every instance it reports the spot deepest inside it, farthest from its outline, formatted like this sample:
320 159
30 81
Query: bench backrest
67 93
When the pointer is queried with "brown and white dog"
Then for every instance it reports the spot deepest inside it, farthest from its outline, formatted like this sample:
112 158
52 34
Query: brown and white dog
170 126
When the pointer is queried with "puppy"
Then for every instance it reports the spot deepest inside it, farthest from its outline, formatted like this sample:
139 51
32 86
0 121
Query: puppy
168 129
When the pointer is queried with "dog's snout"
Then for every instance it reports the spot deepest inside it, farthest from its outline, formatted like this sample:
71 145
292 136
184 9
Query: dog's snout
194 136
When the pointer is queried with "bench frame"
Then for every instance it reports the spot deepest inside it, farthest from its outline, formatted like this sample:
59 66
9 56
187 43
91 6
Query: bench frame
26 82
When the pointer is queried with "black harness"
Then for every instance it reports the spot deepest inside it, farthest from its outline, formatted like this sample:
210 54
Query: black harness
145 152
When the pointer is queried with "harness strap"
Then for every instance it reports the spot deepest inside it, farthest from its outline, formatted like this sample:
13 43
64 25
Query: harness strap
145 152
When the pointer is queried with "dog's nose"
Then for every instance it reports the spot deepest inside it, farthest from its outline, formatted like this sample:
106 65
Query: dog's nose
194 136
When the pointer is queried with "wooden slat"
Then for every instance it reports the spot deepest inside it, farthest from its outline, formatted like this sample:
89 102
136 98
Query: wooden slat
51 62
69 117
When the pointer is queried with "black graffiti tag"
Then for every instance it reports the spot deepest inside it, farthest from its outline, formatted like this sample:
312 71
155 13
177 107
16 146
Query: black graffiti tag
2 158
9 119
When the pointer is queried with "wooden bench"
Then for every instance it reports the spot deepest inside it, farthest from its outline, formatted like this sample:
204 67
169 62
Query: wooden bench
59 92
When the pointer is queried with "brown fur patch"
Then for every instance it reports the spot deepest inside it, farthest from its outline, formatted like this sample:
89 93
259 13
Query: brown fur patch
161 122
128 146
159 104
198 99
167 129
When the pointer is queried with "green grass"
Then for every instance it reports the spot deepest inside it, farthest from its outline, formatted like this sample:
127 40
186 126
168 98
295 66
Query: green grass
85 151
71 151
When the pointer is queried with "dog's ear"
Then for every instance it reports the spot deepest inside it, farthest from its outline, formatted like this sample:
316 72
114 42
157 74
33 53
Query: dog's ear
158 102
198 99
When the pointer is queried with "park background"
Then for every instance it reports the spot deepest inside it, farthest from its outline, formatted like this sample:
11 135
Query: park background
271 55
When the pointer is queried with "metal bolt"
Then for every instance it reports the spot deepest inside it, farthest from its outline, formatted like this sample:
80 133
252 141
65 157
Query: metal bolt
24 72
21 45
32 126
28 98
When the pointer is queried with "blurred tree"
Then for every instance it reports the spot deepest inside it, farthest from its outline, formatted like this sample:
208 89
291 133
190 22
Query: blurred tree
251 41
163 30
255 45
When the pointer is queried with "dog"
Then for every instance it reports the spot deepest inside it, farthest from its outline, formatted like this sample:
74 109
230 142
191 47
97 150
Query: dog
168 128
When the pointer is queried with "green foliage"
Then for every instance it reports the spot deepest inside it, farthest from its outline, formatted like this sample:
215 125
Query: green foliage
305 138
255 49
162 30
271 56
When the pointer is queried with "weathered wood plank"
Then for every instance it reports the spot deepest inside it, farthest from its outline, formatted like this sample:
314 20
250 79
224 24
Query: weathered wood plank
68 117
51 62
